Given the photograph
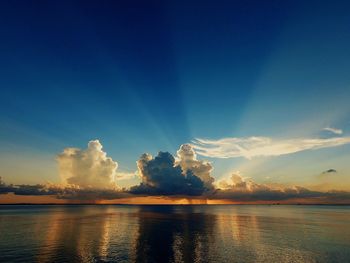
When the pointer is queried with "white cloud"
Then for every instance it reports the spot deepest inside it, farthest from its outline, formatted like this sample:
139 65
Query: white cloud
126 175
239 188
240 184
333 130
262 146
187 159
89 168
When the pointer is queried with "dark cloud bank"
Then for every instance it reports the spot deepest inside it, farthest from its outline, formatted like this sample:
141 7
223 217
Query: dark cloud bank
161 176
188 187
60 192
164 175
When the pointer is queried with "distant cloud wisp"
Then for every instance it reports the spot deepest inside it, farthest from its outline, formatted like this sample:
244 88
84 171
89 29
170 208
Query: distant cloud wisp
249 147
333 130
329 171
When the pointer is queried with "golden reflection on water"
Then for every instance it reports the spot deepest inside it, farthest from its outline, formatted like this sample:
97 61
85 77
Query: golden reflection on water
51 237
251 238
85 234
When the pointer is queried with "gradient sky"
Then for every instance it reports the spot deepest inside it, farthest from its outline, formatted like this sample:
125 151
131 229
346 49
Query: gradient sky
145 76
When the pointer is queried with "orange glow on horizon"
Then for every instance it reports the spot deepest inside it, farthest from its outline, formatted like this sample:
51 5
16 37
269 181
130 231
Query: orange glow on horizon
153 200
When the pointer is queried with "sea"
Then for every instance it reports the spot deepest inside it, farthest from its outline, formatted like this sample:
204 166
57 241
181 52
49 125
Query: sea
174 233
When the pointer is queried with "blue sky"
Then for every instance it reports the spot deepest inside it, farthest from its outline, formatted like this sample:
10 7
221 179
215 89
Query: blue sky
150 76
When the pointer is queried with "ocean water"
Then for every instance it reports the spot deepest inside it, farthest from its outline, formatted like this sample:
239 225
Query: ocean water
223 233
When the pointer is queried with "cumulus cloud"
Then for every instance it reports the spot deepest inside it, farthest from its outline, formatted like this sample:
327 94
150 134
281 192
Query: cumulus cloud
333 130
87 174
88 168
162 176
243 189
261 146
188 161
238 183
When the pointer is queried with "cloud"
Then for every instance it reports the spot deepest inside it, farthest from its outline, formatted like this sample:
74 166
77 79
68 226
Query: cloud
240 184
89 175
4 189
330 171
25 189
125 175
187 159
333 130
238 189
63 192
242 189
92 194
89 168
162 176
261 146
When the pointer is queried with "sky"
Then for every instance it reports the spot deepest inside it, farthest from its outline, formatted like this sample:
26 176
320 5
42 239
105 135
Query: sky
256 91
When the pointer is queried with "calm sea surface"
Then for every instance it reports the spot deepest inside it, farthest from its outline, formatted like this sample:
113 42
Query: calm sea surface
78 233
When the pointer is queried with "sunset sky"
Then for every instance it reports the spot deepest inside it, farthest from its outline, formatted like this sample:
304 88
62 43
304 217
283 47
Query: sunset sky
248 101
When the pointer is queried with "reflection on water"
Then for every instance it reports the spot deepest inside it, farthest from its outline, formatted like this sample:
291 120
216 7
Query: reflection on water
81 233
